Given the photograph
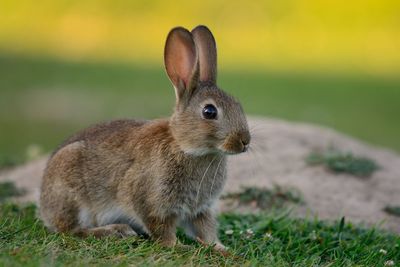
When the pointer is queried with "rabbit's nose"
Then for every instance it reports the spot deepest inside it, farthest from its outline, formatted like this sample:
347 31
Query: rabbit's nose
245 139
245 146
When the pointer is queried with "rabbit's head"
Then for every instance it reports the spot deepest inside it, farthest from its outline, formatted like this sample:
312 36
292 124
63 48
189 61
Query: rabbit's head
206 119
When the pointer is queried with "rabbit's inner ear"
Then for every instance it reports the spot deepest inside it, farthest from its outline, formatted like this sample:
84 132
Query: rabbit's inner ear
207 50
181 61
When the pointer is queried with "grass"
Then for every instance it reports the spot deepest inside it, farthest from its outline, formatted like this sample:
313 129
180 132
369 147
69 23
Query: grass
265 198
8 161
254 240
340 162
8 189
42 101
393 210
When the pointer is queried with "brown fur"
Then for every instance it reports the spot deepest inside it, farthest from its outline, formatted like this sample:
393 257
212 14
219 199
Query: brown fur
150 176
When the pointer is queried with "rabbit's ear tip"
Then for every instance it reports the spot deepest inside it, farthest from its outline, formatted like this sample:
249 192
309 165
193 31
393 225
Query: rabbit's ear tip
178 28
179 31
201 28
181 34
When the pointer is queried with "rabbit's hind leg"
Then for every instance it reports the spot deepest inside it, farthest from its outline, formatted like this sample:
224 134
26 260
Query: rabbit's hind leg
60 191
117 230
61 214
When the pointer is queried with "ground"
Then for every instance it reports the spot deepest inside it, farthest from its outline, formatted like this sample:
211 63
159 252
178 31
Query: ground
355 232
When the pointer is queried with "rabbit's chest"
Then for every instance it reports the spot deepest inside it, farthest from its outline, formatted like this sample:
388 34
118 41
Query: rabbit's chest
198 188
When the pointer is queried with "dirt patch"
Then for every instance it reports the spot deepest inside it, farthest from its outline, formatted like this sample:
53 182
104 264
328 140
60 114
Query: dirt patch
279 157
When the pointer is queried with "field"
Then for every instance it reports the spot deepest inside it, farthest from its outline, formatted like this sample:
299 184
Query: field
43 100
68 64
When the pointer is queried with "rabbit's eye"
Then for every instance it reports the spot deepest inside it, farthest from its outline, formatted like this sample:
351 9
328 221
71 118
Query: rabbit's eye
210 112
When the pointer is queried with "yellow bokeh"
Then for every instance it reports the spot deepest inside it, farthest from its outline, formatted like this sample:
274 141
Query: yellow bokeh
288 34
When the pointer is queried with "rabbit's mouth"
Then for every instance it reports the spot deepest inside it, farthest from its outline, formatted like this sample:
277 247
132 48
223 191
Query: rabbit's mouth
234 152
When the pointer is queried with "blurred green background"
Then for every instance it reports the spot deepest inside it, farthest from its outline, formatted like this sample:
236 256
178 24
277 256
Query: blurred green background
66 64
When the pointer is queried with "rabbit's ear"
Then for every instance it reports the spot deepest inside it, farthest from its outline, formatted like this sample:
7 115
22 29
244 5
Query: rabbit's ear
181 61
207 50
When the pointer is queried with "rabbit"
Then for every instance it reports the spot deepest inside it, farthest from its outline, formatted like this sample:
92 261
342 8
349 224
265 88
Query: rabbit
131 177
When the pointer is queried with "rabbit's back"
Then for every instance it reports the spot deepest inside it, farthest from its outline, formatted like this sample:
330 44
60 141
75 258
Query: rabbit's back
104 132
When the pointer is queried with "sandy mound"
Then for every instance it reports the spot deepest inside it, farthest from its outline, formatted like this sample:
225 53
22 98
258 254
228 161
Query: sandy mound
278 157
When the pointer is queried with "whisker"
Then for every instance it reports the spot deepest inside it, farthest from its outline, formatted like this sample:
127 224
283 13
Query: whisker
202 178
257 157
215 175
257 128
258 140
